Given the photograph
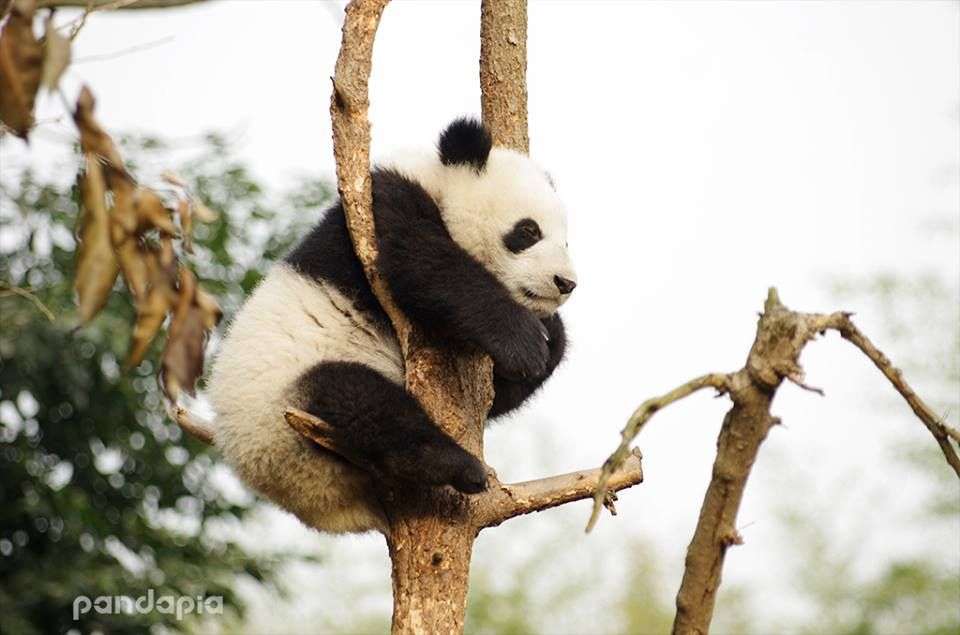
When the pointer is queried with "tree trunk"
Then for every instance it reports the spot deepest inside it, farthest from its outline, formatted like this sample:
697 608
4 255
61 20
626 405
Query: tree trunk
431 539
431 552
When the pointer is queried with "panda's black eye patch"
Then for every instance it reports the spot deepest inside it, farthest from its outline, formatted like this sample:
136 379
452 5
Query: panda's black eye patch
524 234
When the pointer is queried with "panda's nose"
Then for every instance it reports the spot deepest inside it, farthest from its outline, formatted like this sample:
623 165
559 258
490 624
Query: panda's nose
565 285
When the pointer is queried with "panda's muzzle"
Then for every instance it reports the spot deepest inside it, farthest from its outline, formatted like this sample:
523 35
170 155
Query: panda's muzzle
564 285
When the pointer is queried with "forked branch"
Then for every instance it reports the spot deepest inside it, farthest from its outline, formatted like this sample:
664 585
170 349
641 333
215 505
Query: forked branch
774 356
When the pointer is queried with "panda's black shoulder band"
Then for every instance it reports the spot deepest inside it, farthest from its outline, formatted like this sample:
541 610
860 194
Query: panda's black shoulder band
466 141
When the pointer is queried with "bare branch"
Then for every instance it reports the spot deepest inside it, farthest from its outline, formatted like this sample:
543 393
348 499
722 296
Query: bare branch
109 5
774 356
321 433
938 428
636 422
502 502
200 431
124 51
6 290
349 102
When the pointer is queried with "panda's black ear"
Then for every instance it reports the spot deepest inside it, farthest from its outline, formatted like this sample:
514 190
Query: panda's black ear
465 142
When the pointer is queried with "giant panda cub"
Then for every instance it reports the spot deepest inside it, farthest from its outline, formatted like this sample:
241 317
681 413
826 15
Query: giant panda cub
473 246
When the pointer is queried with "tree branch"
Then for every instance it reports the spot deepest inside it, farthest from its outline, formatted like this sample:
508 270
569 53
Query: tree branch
938 428
200 431
109 5
781 336
636 422
502 502
321 433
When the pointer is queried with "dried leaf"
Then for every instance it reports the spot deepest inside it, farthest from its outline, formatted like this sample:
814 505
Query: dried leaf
94 140
203 213
185 212
173 179
21 64
210 308
150 213
56 56
130 250
168 257
153 307
96 265
124 212
183 354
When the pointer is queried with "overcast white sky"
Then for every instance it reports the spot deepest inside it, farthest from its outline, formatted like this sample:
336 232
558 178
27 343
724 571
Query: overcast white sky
705 150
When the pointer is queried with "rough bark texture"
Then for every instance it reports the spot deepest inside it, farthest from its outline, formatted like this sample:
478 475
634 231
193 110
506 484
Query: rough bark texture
503 71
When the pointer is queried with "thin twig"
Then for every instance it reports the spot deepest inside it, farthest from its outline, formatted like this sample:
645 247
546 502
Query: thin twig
636 422
26 293
91 6
938 428
125 51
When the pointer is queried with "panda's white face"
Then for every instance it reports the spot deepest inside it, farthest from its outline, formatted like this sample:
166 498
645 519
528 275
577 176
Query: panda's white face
508 216
510 219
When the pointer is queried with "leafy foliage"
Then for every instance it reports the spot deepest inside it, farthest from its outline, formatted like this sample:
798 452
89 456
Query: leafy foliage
100 494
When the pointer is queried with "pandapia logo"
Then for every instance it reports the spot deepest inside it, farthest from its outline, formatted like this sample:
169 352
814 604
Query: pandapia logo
165 604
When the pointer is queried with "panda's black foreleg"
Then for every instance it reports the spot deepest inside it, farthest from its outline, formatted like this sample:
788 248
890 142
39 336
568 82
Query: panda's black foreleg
380 422
510 394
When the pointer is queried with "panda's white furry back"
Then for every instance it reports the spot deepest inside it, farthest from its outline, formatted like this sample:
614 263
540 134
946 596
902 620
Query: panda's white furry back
473 247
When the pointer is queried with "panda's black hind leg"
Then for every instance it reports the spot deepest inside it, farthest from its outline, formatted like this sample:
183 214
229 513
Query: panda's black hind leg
381 423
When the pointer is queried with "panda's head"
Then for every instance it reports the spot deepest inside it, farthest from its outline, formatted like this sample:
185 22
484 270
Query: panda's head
502 208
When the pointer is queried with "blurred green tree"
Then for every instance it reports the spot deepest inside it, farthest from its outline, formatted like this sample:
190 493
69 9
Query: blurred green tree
100 494
919 595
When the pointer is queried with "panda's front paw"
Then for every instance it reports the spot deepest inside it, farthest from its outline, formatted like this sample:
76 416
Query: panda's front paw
523 353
